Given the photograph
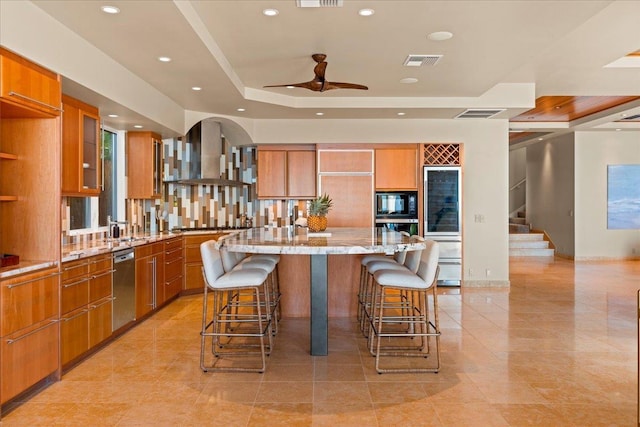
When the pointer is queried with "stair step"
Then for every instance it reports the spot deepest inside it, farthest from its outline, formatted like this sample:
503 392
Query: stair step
532 244
526 236
531 252
518 228
517 220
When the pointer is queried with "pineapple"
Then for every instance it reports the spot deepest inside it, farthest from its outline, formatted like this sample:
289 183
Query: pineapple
318 209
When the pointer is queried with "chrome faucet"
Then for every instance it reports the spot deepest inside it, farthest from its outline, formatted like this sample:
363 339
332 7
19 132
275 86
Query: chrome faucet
110 223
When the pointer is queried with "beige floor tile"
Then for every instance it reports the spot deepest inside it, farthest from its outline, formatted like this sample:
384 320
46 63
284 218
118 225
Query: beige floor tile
559 348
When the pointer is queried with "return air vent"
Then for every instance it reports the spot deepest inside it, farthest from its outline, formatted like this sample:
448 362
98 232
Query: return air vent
634 117
319 3
479 113
420 60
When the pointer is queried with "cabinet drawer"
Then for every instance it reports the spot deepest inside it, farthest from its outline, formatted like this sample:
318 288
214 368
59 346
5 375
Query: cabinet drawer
73 269
172 268
27 300
197 239
450 249
100 286
74 335
172 287
28 357
100 263
149 249
192 254
100 321
172 244
193 276
74 294
450 271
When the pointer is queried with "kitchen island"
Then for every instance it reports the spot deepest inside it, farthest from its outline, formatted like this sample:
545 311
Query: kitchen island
335 241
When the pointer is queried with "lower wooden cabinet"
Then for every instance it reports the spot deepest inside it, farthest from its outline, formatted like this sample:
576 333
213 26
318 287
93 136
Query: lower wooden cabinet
149 277
29 331
173 268
28 356
193 279
86 299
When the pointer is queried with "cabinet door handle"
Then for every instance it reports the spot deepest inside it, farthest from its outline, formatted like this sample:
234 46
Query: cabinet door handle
103 274
15 285
11 341
68 285
94 306
35 101
83 311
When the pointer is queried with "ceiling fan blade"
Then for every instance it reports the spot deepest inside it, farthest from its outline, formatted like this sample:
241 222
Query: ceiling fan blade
338 85
311 85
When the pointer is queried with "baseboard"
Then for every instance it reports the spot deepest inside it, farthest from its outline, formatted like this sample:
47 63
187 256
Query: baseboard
605 258
486 284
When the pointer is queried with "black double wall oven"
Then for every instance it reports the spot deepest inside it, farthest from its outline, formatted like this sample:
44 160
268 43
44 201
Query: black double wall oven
397 210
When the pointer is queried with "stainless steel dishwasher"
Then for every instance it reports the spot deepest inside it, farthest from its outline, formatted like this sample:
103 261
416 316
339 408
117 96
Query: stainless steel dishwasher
124 288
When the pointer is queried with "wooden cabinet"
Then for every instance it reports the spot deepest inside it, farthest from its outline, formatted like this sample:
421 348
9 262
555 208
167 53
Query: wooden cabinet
29 160
144 165
29 309
86 295
193 279
81 149
26 89
346 175
286 172
397 168
173 268
149 277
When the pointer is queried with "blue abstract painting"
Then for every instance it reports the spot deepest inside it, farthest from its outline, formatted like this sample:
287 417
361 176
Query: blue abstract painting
623 196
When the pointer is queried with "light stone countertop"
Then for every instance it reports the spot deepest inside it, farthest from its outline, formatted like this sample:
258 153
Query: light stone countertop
337 240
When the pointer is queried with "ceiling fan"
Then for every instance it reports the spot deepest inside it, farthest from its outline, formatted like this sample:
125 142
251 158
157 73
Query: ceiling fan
319 84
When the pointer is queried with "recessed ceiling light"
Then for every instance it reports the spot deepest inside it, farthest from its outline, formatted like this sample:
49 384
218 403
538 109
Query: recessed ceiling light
439 36
270 12
366 12
164 59
618 129
110 9
196 88
241 109
113 116
290 87
409 80
138 126
540 139
319 114
401 113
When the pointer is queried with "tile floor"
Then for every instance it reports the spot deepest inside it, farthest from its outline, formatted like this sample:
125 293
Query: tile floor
559 348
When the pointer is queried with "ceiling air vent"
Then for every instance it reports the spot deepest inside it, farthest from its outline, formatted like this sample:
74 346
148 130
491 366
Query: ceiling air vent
479 113
420 60
319 3
634 117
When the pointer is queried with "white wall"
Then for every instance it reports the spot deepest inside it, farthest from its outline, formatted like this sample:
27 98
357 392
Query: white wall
593 152
550 190
517 172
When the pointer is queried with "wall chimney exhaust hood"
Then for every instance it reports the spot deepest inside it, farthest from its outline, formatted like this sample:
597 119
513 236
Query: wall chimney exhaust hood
203 149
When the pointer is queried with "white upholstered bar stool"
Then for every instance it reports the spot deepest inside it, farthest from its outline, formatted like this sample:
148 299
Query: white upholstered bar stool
407 333
241 331
410 261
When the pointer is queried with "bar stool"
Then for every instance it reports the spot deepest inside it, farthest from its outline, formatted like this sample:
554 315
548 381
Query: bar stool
411 261
238 316
417 322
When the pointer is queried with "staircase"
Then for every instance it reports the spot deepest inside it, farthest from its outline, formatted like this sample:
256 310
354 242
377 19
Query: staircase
522 242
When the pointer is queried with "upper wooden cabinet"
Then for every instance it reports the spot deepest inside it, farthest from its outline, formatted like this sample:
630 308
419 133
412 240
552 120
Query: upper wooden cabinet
397 168
26 89
287 172
81 153
144 165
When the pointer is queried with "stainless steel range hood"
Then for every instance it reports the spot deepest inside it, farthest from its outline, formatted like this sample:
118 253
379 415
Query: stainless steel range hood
204 145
